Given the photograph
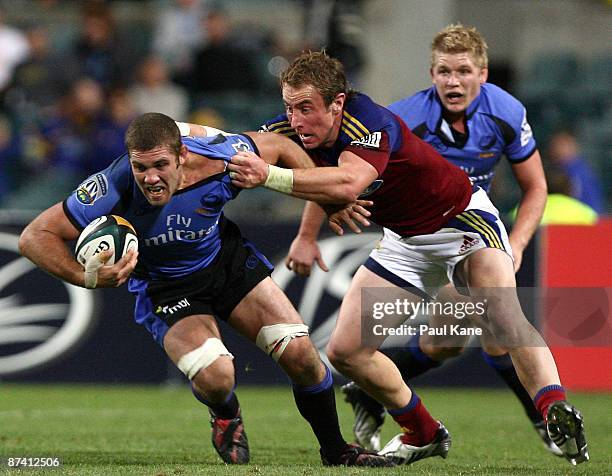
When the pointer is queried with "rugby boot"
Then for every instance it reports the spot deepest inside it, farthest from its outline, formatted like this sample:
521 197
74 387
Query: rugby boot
566 429
403 453
369 416
549 444
353 455
230 439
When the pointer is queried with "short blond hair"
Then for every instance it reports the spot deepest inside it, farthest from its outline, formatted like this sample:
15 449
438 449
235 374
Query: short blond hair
456 38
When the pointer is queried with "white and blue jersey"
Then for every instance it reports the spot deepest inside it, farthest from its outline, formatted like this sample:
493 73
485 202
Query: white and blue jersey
496 125
181 237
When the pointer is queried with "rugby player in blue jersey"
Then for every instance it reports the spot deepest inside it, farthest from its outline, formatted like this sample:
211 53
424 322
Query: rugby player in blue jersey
472 124
192 266
428 209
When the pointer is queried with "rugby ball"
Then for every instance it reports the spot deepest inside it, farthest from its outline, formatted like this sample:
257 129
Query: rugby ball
105 233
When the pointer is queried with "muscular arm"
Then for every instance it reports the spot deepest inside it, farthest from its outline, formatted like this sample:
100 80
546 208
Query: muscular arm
44 240
277 149
530 177
341 184
197 130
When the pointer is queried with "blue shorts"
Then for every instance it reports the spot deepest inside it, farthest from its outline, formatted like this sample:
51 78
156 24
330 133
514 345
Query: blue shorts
215 290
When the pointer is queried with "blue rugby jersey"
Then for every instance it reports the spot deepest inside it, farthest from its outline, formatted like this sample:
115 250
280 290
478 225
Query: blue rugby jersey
174 240
496 124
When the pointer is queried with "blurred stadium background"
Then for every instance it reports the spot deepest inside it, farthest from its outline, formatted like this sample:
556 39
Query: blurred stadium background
73 74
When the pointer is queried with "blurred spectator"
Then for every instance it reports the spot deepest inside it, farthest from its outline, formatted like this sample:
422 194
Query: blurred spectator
563 151
153 91
69 131
41 80
13 50
179 31
10 151
109 133
221 65
100 51
79 139
561 208
337 25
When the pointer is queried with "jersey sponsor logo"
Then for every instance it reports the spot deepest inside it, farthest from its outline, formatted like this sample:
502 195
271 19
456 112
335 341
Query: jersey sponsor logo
526 133
371 141
37 328
179 234
241 146
92 189
370 189
171 309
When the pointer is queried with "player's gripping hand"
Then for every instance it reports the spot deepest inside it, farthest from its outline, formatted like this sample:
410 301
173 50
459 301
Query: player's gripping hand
354 215
247 170
302 254
99 275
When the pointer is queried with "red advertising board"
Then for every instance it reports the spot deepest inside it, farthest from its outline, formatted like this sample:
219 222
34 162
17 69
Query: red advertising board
576 319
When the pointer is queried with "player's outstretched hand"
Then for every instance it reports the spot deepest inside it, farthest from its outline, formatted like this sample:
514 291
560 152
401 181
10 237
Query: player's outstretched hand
302 254
113 276
247 170
354 215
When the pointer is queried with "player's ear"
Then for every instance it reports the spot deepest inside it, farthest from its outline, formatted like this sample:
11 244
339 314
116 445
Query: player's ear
338 102
484 74
183 152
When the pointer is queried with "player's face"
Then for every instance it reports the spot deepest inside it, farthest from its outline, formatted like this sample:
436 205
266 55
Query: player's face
158 173
316 124
457 80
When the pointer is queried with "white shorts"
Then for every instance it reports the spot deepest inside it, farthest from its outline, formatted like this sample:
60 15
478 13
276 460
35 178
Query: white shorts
427 262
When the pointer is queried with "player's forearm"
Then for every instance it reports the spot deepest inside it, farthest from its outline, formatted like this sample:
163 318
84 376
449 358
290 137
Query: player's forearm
325 185
528 216
312 219
277 149
197 130
50 253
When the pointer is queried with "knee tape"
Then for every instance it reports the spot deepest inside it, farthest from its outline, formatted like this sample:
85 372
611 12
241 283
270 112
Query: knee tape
192 362
274 339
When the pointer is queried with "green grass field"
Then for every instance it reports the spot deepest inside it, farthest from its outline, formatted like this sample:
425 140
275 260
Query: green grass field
118 430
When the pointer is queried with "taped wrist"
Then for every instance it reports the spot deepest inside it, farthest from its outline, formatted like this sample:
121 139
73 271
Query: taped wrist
279 179
92 265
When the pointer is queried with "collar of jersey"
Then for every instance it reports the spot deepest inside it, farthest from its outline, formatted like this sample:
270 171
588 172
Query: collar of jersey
435 118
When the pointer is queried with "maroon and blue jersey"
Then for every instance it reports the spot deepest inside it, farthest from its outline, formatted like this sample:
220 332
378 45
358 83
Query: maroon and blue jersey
417 190
496 124
183 236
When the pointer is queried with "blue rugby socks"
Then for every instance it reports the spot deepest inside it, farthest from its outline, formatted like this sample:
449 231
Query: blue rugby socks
411 360
226 410
502 364
317 404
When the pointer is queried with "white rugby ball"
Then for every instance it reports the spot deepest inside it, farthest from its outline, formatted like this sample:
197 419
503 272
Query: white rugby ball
105 233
